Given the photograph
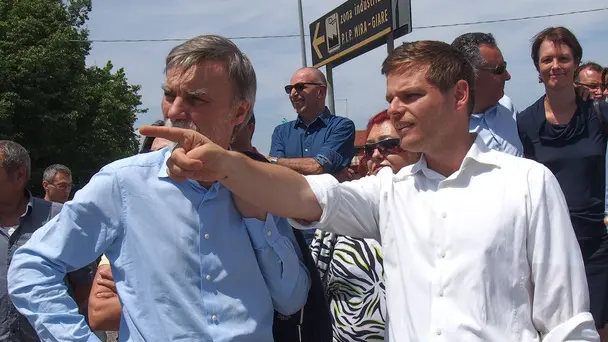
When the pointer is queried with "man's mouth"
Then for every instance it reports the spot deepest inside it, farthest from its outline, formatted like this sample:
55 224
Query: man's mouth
186 124
404 126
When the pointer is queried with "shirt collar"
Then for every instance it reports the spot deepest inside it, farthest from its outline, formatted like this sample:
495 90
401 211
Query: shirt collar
162 173
323 117
479 153
488 111
30 203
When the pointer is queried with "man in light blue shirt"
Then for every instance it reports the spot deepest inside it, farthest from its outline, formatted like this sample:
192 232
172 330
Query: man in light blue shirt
191 261
494 116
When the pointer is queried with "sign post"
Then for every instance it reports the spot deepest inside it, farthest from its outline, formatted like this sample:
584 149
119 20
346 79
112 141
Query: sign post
331 102
354 28
302 40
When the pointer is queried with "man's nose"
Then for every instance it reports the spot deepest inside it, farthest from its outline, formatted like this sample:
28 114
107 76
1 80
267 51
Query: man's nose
178 109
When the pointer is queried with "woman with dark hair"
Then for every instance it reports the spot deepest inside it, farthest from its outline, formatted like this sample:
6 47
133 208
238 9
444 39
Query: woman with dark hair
351 269
565 133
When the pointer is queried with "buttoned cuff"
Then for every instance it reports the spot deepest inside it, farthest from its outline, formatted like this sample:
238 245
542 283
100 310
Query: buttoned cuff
263 234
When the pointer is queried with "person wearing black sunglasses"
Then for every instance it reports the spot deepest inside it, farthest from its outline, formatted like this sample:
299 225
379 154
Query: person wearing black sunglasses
493 117
382 147
352 268
317 141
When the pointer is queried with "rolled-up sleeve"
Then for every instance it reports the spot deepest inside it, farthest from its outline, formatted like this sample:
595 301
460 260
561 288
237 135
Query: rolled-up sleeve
280 261
349 208
560 304
73 239
277 145
339 148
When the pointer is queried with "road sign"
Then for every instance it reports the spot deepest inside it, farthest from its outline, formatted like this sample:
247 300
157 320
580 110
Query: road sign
356 27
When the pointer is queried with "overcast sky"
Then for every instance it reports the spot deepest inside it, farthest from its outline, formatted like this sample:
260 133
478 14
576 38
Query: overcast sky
358 83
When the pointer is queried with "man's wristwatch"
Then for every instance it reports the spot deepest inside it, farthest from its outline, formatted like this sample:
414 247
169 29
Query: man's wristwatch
274 160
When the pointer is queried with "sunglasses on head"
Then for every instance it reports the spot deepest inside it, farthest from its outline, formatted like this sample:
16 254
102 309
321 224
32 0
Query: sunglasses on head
299 86
385 147
496 70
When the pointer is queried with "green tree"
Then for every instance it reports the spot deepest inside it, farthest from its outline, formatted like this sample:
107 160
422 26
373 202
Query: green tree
50 102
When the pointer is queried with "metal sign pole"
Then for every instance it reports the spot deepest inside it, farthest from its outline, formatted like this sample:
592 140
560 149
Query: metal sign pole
302 40
390 42
329 74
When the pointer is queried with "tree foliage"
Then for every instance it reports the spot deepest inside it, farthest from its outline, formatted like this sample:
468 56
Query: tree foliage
53 104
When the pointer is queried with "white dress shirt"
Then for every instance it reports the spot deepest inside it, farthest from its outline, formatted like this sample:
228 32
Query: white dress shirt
487 254
497 127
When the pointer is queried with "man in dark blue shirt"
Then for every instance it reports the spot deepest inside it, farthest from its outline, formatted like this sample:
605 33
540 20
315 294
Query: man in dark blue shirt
317 141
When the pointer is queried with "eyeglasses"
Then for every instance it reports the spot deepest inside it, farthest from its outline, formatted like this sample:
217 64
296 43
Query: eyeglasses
496 70
62 186
594 86
385 147
300 86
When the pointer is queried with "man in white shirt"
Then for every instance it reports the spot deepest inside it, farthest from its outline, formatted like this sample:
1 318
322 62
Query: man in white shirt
494 115
478 245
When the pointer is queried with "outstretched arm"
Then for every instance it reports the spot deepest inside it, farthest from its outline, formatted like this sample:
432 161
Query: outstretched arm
349 208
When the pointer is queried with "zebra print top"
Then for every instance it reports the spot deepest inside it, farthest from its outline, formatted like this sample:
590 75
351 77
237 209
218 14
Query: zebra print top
355 285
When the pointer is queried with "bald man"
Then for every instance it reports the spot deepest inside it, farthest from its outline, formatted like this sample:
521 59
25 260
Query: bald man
317 141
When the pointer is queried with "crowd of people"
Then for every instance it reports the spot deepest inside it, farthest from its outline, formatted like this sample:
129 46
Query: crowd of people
460 219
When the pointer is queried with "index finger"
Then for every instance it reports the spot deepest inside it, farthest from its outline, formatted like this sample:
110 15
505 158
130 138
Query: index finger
174 134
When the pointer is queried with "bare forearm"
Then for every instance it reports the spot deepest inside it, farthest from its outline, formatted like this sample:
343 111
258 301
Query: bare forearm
305 166
276 189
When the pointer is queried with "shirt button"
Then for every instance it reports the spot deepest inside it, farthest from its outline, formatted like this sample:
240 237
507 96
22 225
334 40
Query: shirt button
208 277
269 233
442 254
441 293
214 318
438 332
444 215
306 150
207 236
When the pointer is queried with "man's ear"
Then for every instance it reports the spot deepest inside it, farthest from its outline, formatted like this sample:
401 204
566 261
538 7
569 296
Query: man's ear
241 113
322 92
461 94
45 185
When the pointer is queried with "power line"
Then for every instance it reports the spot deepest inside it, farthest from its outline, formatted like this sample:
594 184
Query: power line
514 19
281 36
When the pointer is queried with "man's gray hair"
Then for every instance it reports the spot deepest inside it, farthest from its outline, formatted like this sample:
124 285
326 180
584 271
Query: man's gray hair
216 48
469 43
51 172
13 156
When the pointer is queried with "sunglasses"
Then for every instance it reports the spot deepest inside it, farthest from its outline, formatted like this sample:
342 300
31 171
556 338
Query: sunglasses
592 86
385 147
496 70
299 86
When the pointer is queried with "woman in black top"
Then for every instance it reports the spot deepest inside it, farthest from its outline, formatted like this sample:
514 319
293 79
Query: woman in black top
563 132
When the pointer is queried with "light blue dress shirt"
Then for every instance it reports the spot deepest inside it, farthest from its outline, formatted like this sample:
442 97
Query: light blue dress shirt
187 266
497 127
